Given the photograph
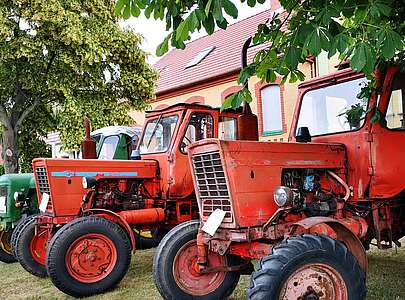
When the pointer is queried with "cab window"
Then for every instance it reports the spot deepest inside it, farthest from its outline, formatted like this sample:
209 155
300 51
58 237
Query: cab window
200 126
227 128
109 146
333 109
395 111
158 134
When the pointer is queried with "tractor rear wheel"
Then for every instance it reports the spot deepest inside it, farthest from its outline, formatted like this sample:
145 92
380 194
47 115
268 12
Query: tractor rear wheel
308 267
30 248
6 253
175 268
88 256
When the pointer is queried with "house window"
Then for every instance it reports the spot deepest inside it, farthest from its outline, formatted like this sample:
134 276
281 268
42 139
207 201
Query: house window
272 115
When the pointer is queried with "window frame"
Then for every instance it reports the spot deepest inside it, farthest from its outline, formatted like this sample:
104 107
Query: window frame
265 133
188 123
385 126
171 141
325 86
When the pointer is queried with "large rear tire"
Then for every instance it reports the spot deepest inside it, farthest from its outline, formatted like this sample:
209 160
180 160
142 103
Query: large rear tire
88 256
308 267
6 253
174 268
30 248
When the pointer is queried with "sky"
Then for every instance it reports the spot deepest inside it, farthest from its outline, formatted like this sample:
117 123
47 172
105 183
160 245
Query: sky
154 31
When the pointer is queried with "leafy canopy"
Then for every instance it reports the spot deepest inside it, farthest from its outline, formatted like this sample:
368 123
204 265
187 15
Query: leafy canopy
369 33
60 59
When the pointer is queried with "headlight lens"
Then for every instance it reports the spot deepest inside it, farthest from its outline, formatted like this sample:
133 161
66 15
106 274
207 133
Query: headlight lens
88 182
283 196
16 195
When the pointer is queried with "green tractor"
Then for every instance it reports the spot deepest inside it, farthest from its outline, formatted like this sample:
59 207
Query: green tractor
18 200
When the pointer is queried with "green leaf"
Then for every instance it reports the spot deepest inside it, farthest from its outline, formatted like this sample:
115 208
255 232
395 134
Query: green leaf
127 12
182 31
208 7
313 42
164 46
391 44
228 103
192 21
217 11
251 3
363 59
135 11
230 8
119 6
209 24
292 57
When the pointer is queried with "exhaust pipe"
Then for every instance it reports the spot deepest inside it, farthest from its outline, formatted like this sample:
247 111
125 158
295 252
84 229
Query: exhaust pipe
88 145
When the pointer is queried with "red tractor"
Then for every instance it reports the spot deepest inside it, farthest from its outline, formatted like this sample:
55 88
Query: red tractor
85 242
307 209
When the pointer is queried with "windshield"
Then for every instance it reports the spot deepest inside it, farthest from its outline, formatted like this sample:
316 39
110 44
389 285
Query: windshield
158 134
333 108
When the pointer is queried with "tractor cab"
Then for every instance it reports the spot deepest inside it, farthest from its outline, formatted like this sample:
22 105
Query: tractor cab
168 132
116 142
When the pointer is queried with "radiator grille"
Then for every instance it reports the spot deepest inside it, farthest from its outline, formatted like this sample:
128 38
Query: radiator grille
211 184
43 184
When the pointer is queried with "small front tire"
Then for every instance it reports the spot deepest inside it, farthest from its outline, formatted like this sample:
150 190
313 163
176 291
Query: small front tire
174 268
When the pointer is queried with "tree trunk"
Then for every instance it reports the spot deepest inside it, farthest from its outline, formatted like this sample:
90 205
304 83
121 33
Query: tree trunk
9 151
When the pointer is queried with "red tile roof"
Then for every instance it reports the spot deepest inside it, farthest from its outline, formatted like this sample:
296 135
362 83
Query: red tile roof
224 59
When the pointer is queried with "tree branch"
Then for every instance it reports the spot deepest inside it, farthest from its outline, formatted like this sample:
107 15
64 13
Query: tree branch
26 112
4 117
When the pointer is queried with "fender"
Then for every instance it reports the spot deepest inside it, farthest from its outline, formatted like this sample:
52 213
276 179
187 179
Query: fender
116 218
344 233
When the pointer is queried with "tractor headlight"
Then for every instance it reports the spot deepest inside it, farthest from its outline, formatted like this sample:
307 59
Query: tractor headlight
88 182
283 196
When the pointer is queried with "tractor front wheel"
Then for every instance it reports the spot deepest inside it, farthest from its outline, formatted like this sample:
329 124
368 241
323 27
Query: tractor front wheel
30 248
175 268
88 256
6 253
17 230
308 267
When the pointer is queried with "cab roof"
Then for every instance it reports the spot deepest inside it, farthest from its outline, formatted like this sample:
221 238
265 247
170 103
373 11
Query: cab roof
116 130
184 106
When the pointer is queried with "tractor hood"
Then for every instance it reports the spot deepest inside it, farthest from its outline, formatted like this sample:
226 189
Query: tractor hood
61 179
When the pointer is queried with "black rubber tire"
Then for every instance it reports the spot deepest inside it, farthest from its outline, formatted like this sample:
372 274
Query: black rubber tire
146 242
23 253
163 266
294 252
5 256
17 230
60 242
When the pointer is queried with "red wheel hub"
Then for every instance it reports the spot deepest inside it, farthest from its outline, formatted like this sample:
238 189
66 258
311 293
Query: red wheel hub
38 245
314 282
186 275
91 258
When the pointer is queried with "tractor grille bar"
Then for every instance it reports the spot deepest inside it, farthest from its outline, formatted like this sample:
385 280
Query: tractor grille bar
212 186
43 184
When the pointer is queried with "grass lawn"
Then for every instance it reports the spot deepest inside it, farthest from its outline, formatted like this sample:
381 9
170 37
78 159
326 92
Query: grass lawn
386 280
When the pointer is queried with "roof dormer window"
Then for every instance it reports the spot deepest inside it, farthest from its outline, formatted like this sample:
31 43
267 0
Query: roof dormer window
199 57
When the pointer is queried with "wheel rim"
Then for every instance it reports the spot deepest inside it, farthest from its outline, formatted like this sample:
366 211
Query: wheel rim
5 238
91 258
189 279
38 246
314 282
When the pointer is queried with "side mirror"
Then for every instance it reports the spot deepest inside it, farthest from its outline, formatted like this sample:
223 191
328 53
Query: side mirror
135 155
303 135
